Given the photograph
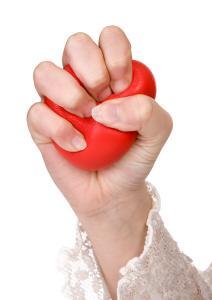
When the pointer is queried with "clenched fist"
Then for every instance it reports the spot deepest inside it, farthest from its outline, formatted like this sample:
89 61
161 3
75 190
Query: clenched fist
112 203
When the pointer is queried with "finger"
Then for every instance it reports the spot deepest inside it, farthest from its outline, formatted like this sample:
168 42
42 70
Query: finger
45 126
62 88
118 57
135 113
86 59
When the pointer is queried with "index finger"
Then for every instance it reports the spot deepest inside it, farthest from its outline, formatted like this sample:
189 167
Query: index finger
58 85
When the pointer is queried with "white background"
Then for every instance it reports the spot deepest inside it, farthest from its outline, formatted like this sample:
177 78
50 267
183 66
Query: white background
174 39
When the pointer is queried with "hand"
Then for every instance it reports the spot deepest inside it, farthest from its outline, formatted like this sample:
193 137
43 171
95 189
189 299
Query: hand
114 198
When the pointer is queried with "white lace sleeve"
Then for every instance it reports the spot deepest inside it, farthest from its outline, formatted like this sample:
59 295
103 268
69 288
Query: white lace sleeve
161 272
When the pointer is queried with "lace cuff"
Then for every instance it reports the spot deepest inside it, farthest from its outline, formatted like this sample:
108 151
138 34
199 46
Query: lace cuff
161 272
83 278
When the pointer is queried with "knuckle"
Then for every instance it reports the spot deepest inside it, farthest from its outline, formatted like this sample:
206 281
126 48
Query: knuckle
166 124
59 128
169 123
111 29
165 119
41 69
98 81
145 106
115 32
76 98
77 38
121 64
33 112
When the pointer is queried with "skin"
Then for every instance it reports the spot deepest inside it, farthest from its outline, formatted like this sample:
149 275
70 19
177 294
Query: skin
112 204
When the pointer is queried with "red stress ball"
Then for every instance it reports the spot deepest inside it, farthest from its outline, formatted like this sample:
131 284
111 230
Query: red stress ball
104 145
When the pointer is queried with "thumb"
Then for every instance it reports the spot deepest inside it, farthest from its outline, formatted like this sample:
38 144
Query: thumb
136 113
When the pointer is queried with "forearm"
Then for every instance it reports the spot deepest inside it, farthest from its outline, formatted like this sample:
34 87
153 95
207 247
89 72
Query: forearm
118 235
161 271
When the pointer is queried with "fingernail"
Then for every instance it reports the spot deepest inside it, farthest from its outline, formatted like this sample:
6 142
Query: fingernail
104 94
105 113
79 142
120 85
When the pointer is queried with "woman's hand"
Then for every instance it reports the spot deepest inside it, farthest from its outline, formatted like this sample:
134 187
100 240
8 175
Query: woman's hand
113 203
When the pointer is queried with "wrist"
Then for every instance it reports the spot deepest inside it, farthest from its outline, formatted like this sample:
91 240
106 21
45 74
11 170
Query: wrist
125 220
118 234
